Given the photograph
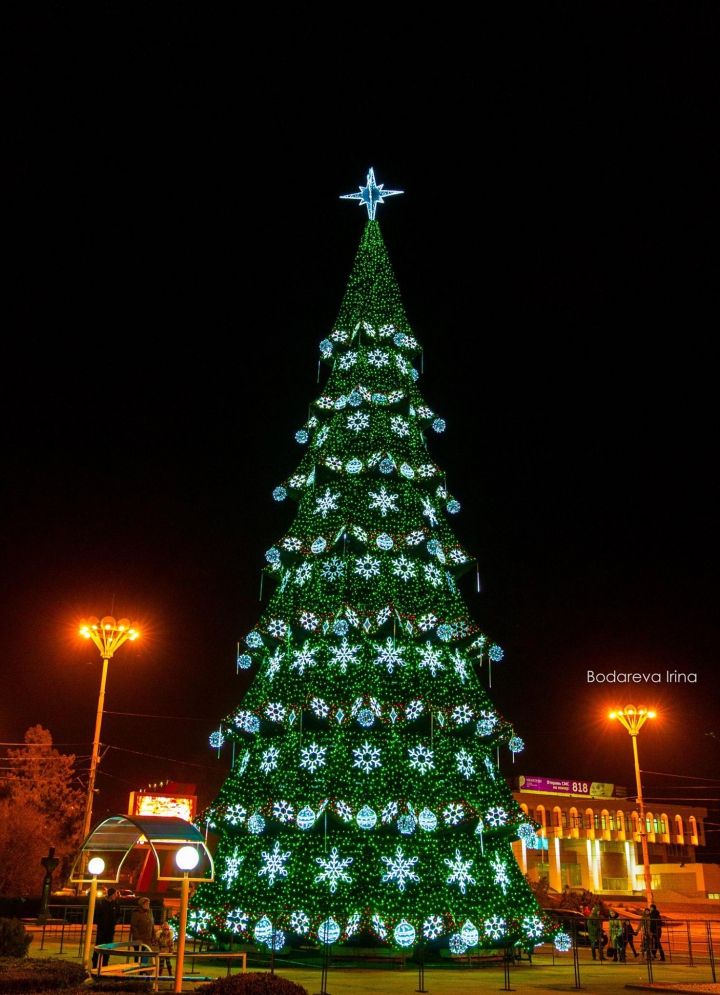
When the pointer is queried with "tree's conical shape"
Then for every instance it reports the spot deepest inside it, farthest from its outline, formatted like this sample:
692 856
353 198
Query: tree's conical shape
366 793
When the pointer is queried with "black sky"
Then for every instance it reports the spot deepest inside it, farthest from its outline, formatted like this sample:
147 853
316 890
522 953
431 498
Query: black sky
175 251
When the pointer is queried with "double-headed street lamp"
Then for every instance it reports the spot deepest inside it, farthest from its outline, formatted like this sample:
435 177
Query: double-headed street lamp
634 719
108 635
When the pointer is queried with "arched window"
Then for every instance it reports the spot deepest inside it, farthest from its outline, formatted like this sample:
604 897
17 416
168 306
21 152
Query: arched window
524 807
540 817
574 824
621 824
693 830
665 827
590 819
636 826
557 820
605 824
679 832
650 826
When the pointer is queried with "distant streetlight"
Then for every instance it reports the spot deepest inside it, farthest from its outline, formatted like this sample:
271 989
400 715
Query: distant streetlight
108 635
634 719
187 859
95 866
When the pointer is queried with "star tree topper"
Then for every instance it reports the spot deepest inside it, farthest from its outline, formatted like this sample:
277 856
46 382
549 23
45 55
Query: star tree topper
371 195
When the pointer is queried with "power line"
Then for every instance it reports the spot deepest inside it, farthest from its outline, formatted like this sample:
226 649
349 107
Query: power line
690 777
172 760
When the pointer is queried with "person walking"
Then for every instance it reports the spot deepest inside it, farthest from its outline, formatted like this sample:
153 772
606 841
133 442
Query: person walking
628 936
142 926
107 913
166 946
656 932
617 947
595 932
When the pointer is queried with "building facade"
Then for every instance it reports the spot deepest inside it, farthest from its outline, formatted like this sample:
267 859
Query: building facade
589 837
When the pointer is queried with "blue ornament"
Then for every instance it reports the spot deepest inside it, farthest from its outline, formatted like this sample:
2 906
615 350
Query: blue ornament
319 545
404 934
434 547
306 818
216 739
365 718
406 825
276 940
414 374
444 632
407 471
495 653
366 818
379 399
301 436
254 640
273 555
469 934
341 402
326 348
457 944
279 493
527 834
428 820
384 541
439 425
354 466
400 339
244 662
355 399
386 465
516 745
453 507
263 930
328 931
340 627
256 824
563 942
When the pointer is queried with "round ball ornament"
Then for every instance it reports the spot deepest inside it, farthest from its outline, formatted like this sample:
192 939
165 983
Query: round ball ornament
254 640
453 507
341 402
279 493
301 436
404 934
386 465
516 745
380 399
414 374
384 541
366 818
244 661
406 825
469 934
365 718
328 931
444 632
255 825
563 942
216 739
353 466
263 930
439 424
527 834
340 628
355 399
457 944
276 940
428 820
496 653
306 818
319 544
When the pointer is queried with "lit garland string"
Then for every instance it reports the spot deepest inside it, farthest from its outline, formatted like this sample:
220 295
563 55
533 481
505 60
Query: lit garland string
365 795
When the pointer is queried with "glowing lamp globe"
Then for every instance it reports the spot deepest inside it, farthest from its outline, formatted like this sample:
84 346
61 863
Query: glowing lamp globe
328 931
404 934
96 866
187 858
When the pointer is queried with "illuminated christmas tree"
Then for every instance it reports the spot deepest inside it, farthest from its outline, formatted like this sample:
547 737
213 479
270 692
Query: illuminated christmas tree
366 794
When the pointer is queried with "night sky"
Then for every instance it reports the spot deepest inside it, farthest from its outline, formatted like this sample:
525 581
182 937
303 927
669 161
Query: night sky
176 250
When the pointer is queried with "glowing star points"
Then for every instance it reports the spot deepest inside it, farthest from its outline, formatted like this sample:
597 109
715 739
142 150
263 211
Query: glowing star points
371 195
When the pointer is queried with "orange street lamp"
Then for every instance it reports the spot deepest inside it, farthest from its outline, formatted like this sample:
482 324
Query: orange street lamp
634 719
108 635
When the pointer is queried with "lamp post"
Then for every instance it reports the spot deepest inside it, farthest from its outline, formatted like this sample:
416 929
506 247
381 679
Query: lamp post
108 635
187 859
95 866
634 719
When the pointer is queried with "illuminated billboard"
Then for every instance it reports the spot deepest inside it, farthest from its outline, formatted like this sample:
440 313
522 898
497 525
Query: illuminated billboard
150 803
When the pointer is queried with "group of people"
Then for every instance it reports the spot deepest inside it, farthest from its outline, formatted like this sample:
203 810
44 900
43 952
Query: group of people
622 935
142 928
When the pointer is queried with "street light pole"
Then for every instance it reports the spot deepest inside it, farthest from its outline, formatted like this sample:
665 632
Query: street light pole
108 635
95 866
634 719
187 859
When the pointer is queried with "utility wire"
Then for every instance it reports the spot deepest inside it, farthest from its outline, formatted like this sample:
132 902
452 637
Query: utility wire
690 777
143 715
172 760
